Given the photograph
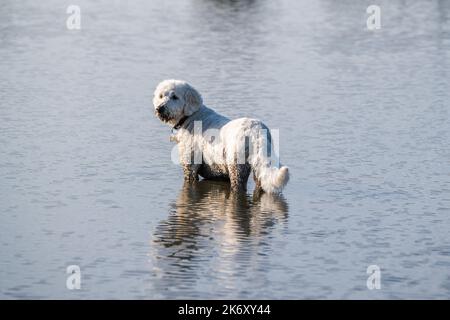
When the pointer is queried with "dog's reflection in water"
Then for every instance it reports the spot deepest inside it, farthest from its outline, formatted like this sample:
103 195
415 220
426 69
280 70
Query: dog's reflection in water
208 225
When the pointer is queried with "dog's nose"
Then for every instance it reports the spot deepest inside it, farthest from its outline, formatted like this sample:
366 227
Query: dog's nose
160 108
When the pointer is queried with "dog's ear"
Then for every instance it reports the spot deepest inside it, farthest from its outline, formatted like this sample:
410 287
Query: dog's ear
193 101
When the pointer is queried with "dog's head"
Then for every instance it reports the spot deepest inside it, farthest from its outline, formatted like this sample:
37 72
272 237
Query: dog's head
175 99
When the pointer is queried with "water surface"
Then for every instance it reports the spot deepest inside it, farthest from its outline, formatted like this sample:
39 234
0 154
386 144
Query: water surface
85 170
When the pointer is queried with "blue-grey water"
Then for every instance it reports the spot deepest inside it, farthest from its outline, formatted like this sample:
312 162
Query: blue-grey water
85 171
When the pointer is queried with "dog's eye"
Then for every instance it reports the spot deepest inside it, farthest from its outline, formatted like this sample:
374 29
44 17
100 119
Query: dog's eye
160 96
174 97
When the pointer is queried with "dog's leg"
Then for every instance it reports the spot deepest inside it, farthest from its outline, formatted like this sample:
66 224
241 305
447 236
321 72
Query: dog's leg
191 172
239 176
258 188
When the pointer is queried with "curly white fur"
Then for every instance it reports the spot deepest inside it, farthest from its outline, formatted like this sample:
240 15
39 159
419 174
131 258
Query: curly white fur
213 146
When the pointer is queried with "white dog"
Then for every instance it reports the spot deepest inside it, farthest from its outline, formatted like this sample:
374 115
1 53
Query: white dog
215 147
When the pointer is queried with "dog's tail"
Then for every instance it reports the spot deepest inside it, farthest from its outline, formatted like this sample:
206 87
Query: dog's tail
272 179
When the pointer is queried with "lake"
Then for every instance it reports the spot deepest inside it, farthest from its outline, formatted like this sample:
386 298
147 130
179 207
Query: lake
87 178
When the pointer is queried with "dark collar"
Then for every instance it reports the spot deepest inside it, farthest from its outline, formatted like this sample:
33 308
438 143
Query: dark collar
180 123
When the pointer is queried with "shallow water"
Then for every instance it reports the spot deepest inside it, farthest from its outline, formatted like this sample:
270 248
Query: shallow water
86 176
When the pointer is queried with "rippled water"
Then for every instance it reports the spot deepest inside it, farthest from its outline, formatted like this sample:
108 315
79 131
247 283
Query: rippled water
85 170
